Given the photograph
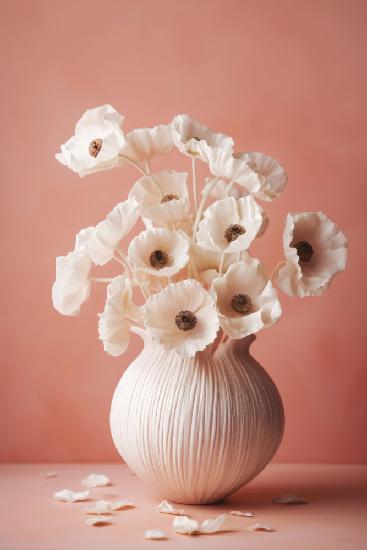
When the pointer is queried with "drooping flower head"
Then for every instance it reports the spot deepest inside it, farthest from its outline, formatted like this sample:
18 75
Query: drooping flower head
246 299
229 225
97 142
72 285
145 143
109 232
119 315
315 250
158 251
260 175
196 140
163 197
182 317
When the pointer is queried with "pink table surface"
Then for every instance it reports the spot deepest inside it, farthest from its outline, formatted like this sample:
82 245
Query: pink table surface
336 516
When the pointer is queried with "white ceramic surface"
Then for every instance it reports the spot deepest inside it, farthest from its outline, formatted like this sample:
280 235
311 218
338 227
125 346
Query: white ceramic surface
199 428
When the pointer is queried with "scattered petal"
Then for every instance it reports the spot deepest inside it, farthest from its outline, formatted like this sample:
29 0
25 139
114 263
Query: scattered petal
97 520
155 534
121 505
105 507
260 527
50 474
95 480
71 496
286 498
166 507
210 525
184 525
239 513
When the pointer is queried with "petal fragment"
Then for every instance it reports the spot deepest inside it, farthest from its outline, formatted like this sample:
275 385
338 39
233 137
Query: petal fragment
66 495
166 507
95 480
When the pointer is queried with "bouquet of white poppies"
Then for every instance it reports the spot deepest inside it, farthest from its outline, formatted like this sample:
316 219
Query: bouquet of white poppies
191 264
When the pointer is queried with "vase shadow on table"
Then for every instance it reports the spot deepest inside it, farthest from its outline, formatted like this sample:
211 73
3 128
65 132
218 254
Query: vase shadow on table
330 490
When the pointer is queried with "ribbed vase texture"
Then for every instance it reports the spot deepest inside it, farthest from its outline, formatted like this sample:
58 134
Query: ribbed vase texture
197 428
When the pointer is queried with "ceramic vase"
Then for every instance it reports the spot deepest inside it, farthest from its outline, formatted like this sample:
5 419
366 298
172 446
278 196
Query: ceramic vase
198 428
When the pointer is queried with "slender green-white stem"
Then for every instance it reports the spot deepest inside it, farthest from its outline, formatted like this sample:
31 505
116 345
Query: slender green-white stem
101 279
193 164
134 163
199 213
221 263
125 261
147 166
273 273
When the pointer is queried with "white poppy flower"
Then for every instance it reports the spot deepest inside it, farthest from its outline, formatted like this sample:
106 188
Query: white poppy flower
234 168
246 299
182 317
159 251
144 143
72 285
272 176
110 231
195 139
222 189
119 315
229 225
315 250
163 198
97 142
207 263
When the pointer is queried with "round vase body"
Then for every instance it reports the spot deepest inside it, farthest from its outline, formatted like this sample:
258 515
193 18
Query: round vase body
197 428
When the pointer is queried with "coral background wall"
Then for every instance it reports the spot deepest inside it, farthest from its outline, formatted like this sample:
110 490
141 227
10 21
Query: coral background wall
283 77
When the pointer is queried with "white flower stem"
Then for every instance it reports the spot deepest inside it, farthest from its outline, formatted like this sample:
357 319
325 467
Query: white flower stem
134 163
125 261
202 206
221 263
193 164
279 264
101 279
147 166
229 187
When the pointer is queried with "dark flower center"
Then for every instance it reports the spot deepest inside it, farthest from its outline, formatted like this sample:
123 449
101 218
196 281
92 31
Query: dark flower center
158 259
169 197
95 146
185 320
195 137
233 232
241 303
304 251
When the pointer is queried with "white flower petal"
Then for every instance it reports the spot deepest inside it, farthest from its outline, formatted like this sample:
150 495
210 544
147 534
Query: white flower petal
145 143
211 526
95 480
166 507
246 279
72 285
67 495
161 311
185 526
234 168
102 124
155 534
196 140
328 254
153 194
105 507
272 176
224 214
110 231
118 317
286 498
239 513
174 245
97 520
260 527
